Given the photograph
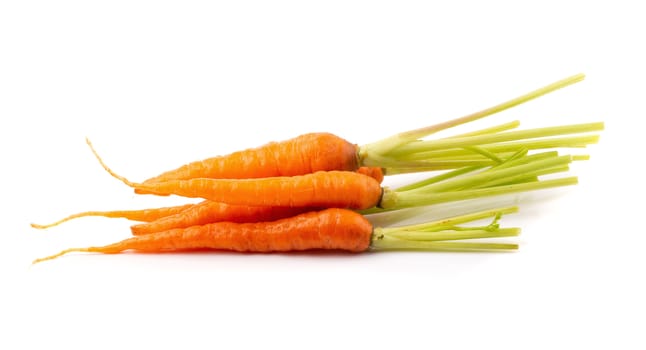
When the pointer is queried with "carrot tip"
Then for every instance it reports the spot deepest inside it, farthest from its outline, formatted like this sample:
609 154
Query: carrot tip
105 166
61 253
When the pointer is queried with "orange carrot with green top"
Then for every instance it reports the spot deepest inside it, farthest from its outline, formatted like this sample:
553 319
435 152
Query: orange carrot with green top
399 153
343 189
329 229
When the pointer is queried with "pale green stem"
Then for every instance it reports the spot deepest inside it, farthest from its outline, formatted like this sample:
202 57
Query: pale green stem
453 221
456 153
521 158
392 243
455 235
442 165
479 162
523 177
485 153
495 174
439 178
383 146
442 144
490 130
394 200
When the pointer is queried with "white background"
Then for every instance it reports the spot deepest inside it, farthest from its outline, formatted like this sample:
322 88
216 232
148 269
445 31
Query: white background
156 84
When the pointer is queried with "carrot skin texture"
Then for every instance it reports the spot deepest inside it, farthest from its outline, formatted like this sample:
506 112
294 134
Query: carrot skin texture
208 212
340 189
333 229
301 155
376 173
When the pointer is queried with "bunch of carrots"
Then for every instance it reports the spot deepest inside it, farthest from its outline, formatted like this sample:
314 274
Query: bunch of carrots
316 191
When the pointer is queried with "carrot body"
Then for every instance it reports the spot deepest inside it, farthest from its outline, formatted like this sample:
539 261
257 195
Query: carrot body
376 173
339 189
337 229
208 212
301 155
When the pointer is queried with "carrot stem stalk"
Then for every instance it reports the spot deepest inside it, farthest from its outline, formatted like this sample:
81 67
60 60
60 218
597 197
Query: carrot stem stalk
442 234
384 146
461 142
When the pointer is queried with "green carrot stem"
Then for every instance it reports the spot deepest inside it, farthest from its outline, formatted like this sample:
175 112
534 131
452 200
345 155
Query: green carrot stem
395 200
491 130
523 177
449 235
449 143
494 174
392 243
452 221
500 148
385 145
439 178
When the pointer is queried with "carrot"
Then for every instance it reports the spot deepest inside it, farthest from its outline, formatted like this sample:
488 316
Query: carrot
325 152
196 214
343 189
146 215
372 171
329 229
208 212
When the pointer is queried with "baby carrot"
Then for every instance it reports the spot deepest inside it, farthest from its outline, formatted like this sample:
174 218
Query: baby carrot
396 154
208 212
197 214
342 189
333 229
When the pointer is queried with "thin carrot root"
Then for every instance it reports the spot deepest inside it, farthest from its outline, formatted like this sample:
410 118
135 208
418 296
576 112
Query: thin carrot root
71 217
145 215
66 251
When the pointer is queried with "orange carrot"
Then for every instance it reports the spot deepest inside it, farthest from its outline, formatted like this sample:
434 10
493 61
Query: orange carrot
208 212
376 173
344 189
340 189
314 152
146 215
327 229
334 229
304 154
197 214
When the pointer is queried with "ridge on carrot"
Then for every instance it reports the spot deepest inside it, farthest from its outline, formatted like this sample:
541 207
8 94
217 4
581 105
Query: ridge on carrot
342 189
399 153
330 229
